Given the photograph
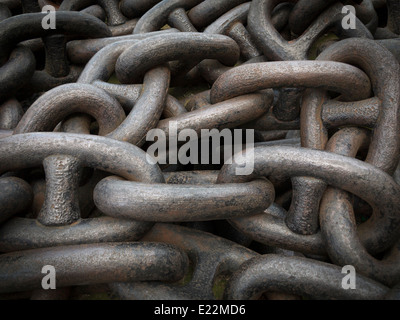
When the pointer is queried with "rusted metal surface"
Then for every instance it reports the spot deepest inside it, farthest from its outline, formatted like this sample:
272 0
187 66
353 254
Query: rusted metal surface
81 51
210 255
275 47
16 72
11 113
64 100
16 196
316 108
133 62
90 264
272 272
182 203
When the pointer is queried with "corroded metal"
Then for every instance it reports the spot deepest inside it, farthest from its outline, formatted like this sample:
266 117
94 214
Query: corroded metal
316 102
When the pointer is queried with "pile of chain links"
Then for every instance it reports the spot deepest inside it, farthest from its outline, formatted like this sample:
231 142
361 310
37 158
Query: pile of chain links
76 189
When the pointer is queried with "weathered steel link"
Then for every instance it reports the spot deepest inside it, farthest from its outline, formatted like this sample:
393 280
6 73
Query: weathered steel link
39 148
107 11
4 12
275 47
214 256
392 45
11 113
102 65
28 26
24 234
385 145
114 16
112 124
353 84
334 210
123 29
148 107
137 59
96 11
386 271
81 51
360 113
376 234
56 56
16 196
5 133
96 152
226 114
128 95
58 103
393 19
155 18
383 153
305 12
16 72
42 81
269 122
191 177
179 19
144 110
136 8
270 228
367 14
168 203
280 74
92 264
207 11
291 275
75 5
61 179
232 24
